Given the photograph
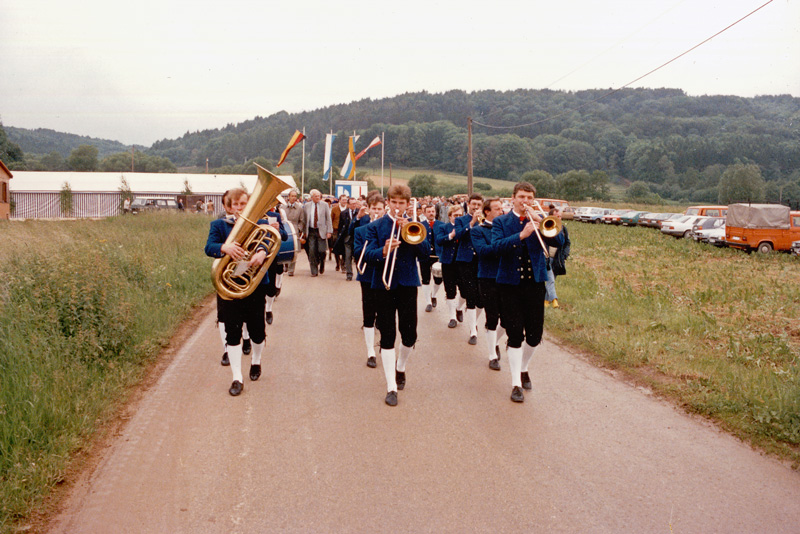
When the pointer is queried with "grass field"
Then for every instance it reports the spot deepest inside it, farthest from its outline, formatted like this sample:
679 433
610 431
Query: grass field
716 330
404 175
84 306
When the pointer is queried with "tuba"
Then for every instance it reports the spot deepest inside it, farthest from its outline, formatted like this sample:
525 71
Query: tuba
232 279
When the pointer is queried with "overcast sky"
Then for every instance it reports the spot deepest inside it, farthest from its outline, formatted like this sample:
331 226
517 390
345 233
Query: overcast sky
146 70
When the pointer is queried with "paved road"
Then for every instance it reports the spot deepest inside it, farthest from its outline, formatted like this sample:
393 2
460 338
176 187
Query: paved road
312 447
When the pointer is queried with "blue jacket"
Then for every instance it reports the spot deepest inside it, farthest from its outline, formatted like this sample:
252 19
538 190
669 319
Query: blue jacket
466 252
505 239
444 245
359 237
217 234
431 231
405 271
487 254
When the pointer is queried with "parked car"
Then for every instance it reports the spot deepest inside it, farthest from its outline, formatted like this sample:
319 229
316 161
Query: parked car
707 211
568 213
653 220
614 217
701 230
762 227
631 218
140 204
545 203
681 227
796 248
593 215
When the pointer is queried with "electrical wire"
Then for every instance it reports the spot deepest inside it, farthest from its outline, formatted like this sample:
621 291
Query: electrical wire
618 89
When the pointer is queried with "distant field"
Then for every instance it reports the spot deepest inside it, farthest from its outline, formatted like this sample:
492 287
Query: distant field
404 175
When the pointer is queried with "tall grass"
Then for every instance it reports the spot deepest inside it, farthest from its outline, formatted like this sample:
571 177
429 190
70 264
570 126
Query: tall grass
83 306
716 329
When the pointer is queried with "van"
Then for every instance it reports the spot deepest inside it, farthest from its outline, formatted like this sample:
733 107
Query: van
562 205
707 211
762 227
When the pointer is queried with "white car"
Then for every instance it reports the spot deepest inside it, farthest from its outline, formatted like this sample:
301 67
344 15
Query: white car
711 227
681 227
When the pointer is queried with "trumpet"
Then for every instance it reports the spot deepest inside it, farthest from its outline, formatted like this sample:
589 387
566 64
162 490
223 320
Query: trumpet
550 226
361 264
413 233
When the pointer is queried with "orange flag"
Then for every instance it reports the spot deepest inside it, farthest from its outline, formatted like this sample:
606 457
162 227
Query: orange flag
296 138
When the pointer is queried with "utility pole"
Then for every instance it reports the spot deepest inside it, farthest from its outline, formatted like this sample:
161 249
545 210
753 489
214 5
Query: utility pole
469 155
132 151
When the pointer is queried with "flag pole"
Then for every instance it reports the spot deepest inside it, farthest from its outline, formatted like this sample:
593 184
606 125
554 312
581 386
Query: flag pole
303 167
383 144
330 178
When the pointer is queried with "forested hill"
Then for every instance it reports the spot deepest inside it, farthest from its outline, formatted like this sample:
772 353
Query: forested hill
661 136
44 141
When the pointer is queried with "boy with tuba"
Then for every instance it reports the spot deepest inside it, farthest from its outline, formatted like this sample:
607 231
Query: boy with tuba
397 296
248 310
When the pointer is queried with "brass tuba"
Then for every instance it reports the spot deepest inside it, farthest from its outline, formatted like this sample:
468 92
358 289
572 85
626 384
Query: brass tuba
237 283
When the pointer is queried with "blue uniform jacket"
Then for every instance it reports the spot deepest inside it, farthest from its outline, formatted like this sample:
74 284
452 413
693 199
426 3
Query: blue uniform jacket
405 271
505 239
466 252
217 234
431 231
359 237
444 245
487 254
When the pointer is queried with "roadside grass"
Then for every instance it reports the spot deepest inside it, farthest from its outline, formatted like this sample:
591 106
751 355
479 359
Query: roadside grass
84 305
716 330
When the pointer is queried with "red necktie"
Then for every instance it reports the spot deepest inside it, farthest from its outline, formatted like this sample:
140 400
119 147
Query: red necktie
316 218
523 219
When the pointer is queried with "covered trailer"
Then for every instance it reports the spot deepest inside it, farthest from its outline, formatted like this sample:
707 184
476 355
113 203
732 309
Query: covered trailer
762 227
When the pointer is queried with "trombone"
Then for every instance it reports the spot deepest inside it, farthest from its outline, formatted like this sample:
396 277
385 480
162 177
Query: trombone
413 233
361 265
550 226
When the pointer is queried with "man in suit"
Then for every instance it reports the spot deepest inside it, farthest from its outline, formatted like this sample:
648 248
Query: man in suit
400 298
521 275
487 275
336 212
344 243
296 216
429 293
319 228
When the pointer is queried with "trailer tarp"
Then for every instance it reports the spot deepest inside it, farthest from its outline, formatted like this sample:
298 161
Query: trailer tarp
757 216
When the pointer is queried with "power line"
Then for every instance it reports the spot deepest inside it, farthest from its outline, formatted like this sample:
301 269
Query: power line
618 89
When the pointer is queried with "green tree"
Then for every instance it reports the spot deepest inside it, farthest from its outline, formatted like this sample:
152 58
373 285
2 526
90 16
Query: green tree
741 183
422 185
65 199
10 152
543 181
187 189
638 191
83 158
125 190
53 161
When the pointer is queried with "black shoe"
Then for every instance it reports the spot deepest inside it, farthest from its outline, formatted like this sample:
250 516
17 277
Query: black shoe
255 372
268 317
460 316
494 365
429 308
225 361
526 381
517 395
433 301
349 277
247 346
473 340
452 323
391 398
313 274
400 378
371 362
236 388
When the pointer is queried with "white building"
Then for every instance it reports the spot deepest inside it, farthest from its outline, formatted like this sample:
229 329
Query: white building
37 195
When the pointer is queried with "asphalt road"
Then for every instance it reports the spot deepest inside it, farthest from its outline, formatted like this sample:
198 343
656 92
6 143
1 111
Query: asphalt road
311 446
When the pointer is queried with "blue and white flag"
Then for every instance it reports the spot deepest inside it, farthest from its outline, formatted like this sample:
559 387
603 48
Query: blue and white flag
326 173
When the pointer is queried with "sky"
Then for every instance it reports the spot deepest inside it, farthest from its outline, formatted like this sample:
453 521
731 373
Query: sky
138 72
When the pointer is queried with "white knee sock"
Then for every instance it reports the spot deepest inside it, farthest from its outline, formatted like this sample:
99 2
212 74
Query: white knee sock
462 303
471 315
268 304
527 354
500 333
222 334
426 293
255 356
278 281
245 333
402 359
451 305
388 359
515 364
491 343
369 340
435 289
235 356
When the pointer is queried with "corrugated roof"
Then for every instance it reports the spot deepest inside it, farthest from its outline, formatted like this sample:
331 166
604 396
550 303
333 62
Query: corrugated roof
139 182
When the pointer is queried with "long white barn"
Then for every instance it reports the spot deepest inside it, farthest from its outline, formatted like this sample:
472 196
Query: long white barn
37 195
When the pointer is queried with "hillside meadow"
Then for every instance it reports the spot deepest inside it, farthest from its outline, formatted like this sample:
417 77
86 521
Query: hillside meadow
86 305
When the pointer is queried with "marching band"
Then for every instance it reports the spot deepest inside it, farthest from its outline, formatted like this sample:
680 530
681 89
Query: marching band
485 258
